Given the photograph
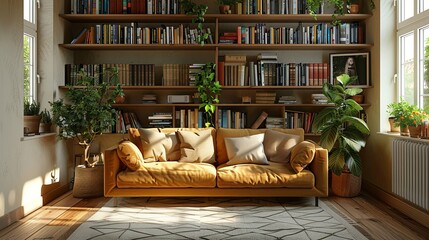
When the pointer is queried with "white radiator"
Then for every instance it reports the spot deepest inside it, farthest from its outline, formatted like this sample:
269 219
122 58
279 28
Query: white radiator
410 178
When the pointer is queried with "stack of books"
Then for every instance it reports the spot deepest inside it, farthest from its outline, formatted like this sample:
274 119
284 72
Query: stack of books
318 98
287 100
265 97
232 71
161 120
194 70
274 122
149 99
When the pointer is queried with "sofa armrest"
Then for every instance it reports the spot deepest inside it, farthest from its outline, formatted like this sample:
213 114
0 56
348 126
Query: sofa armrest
319 167
112 165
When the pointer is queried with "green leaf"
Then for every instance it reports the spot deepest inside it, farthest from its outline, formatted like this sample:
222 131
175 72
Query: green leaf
329 135
358 123
336 161
353 91
354 163
353 104
322 118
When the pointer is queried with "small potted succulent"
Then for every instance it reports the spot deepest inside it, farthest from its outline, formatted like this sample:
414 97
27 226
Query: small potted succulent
31 117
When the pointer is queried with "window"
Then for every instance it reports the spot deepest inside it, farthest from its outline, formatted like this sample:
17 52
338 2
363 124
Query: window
30 51
413 51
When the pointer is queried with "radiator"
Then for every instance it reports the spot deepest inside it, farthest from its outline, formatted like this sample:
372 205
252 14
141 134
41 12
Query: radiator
410 178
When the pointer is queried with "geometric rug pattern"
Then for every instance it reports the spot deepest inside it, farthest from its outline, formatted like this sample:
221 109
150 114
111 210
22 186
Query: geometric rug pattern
216 218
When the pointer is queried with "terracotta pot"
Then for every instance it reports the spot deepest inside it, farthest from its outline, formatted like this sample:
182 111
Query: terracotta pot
346 185
120 99
392 125
405 131
224 9
354 8
358 98
31 124
415 132
45 127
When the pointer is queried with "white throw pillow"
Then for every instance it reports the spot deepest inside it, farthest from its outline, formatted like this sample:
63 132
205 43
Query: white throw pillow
247 149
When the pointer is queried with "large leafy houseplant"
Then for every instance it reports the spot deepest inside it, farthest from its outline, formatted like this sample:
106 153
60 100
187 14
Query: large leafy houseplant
87 111
343 133
208 88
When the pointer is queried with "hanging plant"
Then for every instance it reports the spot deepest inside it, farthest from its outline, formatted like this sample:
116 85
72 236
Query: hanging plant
199 10
208 88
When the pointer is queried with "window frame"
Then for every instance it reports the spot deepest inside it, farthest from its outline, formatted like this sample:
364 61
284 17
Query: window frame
30 29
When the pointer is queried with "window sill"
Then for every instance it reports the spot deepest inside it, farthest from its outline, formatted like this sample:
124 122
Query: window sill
397 135
42 135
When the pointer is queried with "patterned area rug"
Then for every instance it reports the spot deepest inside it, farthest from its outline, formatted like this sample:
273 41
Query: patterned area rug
216 218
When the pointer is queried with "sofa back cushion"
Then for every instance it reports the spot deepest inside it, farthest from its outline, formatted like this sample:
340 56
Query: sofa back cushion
247 149
196 146
222 133
277 145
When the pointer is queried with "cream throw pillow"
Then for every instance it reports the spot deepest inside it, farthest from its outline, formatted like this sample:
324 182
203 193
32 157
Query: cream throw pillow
196 146
130 155
158 146
302 155
278 145
247 149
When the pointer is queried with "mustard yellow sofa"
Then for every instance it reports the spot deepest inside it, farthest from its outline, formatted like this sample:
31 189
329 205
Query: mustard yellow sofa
213 177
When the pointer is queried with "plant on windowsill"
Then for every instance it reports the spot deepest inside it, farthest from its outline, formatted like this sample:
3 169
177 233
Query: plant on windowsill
31 117
208 88
343 134
45 121
400 111
87 112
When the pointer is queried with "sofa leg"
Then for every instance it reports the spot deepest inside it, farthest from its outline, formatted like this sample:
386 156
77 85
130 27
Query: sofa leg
316 201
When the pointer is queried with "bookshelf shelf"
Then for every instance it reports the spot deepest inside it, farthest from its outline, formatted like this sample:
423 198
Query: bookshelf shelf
166 47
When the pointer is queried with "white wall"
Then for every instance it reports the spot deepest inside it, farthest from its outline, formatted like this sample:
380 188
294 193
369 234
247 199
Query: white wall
25 166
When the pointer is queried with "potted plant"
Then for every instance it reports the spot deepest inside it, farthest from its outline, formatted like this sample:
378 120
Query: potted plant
399 112
87 113
45 121
31 117
343 134
225 5
353 6
313 7
208 88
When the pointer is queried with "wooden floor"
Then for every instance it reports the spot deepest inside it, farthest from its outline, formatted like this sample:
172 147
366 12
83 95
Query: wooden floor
61 217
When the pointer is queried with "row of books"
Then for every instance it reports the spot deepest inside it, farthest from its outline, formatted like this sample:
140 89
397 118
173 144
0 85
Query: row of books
189 118
161 120
323 33
228 118
134 34
125 121
129 74
262 73
274 7
180 74
125 6
296 119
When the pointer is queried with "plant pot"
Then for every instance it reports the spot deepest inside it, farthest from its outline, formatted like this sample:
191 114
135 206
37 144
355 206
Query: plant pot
88 182
346 185
405 131
358 98
392 125
31 124
354 8
45 127
120 99
224 9
415 132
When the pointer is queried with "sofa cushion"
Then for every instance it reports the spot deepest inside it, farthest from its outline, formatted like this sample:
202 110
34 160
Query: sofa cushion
222 133
247 149
159 146
170 174
302 155
274 175
277 145
196 146
130 155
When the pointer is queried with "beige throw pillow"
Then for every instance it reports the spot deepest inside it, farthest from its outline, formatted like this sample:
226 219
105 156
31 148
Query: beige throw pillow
158 146
278 145
302 155
196 146
130 155
247 149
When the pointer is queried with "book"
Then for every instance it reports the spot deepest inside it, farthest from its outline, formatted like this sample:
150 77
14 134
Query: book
259 120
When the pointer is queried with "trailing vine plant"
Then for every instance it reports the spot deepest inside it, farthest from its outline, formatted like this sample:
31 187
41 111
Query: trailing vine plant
199 10
208 88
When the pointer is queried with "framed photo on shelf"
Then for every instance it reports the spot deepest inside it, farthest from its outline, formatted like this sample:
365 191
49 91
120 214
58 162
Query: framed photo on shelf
354 64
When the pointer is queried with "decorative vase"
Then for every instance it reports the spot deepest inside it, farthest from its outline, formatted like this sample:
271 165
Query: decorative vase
346 184
405 131
224 9
392 125
31 124
415 132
